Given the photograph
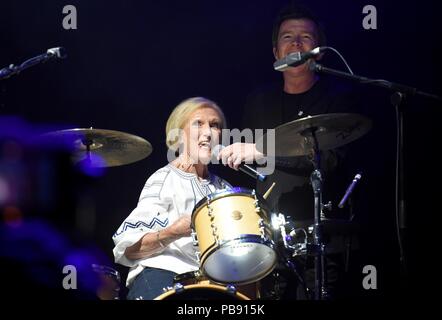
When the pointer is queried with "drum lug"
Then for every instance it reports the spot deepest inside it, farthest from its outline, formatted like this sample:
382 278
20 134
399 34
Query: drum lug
256 202
214 230
231 289
210 212
178 287
166 289
194 238
262 226
197 254
264 238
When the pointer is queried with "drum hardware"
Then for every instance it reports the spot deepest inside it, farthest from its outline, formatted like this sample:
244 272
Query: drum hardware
306 137
256 202
262 226
292 266
178 287
231 289
297 248
327 207
166 289
194 238
212 218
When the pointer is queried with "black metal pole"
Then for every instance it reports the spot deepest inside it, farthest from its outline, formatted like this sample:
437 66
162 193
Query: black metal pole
318 244
401 223
316 180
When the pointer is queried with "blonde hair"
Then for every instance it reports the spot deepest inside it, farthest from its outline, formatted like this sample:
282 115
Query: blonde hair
180 115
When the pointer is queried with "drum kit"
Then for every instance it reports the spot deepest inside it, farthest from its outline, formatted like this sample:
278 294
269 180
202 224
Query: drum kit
238 238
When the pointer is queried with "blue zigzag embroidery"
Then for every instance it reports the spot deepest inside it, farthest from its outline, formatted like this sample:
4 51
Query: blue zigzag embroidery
152 223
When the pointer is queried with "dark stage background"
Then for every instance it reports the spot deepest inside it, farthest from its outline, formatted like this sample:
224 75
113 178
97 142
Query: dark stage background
131 62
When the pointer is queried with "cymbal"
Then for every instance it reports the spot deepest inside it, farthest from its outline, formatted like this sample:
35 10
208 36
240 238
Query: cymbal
103 148
332 130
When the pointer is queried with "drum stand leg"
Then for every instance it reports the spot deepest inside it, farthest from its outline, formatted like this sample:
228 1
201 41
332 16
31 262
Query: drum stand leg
318 242
301 280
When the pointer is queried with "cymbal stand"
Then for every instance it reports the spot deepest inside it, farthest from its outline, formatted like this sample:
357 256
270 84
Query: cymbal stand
278 221
87 143
400 91
318 242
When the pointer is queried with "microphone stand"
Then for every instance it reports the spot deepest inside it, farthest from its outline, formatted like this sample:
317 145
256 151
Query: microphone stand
400 91
12 70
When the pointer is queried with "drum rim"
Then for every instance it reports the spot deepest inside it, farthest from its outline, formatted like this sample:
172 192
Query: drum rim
226 193
216 287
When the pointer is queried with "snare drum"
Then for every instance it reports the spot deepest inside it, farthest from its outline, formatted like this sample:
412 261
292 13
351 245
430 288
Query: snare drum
232 230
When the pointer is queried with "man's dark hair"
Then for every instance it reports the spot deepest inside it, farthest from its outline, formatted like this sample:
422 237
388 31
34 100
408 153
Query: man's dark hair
295 11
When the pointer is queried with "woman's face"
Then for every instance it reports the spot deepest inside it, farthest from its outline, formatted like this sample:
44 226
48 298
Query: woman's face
201 133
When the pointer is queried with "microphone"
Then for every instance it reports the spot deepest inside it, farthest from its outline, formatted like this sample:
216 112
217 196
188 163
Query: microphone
349 190
53 53
58 52
295 59
242 167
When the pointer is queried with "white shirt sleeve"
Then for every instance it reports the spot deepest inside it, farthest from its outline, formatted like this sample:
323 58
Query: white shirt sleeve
150 215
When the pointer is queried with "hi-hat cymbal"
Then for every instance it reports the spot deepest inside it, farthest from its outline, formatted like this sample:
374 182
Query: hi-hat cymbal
332 130
103 148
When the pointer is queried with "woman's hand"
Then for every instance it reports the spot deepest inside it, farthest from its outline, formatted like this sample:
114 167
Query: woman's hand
154 242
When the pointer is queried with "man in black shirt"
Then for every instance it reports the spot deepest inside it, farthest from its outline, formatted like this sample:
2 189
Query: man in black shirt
301 94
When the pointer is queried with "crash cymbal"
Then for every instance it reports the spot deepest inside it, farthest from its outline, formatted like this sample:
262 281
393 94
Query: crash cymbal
102 148
332 130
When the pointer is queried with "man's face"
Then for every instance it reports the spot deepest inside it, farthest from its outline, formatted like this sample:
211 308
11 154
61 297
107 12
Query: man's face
296 35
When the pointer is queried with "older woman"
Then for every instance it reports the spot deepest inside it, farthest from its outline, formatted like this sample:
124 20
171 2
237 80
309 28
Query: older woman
154 240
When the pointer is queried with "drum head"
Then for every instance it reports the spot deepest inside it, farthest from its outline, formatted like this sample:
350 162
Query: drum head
241 262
